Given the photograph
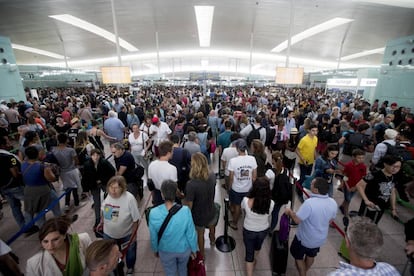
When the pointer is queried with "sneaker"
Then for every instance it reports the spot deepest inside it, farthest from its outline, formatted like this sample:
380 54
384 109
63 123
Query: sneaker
66 209
130 271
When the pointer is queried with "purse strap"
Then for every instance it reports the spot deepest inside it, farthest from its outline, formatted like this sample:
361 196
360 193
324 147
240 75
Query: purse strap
173 210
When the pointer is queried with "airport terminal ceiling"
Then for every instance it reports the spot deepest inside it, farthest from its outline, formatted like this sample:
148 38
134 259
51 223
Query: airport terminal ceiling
220 38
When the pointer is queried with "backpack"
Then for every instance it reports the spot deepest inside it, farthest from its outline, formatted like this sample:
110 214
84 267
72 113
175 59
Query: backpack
398 150
355 141
254 134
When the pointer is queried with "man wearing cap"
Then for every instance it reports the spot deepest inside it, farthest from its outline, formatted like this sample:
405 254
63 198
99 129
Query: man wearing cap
382 148
242 174
160 132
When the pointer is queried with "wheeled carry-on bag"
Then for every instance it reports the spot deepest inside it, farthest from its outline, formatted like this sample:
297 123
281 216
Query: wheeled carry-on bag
278 254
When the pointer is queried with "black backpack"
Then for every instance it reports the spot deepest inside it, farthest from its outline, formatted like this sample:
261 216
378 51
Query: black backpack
270 135
355 140
254 134
398 150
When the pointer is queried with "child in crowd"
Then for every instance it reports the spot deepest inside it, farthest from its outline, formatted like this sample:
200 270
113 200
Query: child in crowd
353 171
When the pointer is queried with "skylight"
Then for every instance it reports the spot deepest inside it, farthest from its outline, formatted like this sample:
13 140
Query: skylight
204 17
363 53
37 51
87 26
330 24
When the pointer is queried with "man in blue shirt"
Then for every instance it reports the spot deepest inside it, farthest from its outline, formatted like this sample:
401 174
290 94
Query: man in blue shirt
313 218
114 127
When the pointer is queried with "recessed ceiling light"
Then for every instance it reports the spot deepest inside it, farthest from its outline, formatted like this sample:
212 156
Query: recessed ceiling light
363 53
37 51
87 26
204 17
330 24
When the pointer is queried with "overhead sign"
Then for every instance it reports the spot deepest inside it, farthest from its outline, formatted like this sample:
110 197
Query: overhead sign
289 75
342 82
116 74
368 82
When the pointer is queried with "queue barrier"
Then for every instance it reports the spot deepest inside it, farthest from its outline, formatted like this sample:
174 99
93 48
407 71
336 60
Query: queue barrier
28 225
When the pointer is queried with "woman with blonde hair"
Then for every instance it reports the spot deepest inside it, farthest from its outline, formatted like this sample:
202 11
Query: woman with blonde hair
199 198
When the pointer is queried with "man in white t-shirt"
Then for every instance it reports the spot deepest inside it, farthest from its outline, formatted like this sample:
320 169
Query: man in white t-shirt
160 170
229 153
159 131
242 174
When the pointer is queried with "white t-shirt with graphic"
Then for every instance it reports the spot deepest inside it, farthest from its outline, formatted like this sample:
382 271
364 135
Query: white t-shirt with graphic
242 167
119 214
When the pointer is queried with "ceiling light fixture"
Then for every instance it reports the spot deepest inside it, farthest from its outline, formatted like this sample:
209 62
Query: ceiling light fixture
363 53
204 17
87 26
330 24
37 51
395 3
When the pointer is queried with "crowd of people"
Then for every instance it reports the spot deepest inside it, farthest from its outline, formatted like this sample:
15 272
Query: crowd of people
167 137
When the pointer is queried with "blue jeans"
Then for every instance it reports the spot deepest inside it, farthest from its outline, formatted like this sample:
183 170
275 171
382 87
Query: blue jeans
174 263
14 197
96 194
131 255
56 209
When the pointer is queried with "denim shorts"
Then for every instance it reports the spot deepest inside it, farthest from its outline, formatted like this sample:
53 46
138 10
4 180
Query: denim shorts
235 197
299 251
253 242
348 194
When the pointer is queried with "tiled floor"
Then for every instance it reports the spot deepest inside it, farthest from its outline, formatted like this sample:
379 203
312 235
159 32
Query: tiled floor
218 263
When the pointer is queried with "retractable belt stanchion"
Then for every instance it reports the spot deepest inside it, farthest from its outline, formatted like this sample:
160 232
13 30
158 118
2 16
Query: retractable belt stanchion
226 243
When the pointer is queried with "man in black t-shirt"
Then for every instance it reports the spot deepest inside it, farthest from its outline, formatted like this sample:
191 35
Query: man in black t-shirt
125 166
11 185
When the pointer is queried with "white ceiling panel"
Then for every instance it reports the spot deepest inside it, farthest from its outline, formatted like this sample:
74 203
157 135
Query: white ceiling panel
27 23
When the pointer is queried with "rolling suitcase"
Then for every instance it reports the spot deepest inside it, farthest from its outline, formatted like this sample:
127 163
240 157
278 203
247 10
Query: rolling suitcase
279 247
278 254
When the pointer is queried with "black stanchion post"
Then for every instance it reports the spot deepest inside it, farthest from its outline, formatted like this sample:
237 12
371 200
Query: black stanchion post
226 243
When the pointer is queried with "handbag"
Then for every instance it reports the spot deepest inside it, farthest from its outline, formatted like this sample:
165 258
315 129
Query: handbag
196 267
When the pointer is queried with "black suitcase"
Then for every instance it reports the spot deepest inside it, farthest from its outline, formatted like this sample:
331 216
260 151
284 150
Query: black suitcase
278 254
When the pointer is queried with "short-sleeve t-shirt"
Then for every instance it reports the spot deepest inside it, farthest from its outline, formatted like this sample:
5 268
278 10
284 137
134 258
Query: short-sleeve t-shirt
119 214
379 188
201 194
242 167
8 161
128 161
65 158
307 147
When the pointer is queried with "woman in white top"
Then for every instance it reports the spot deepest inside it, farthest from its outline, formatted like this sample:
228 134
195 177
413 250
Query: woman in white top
258 208
62 253
139 145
